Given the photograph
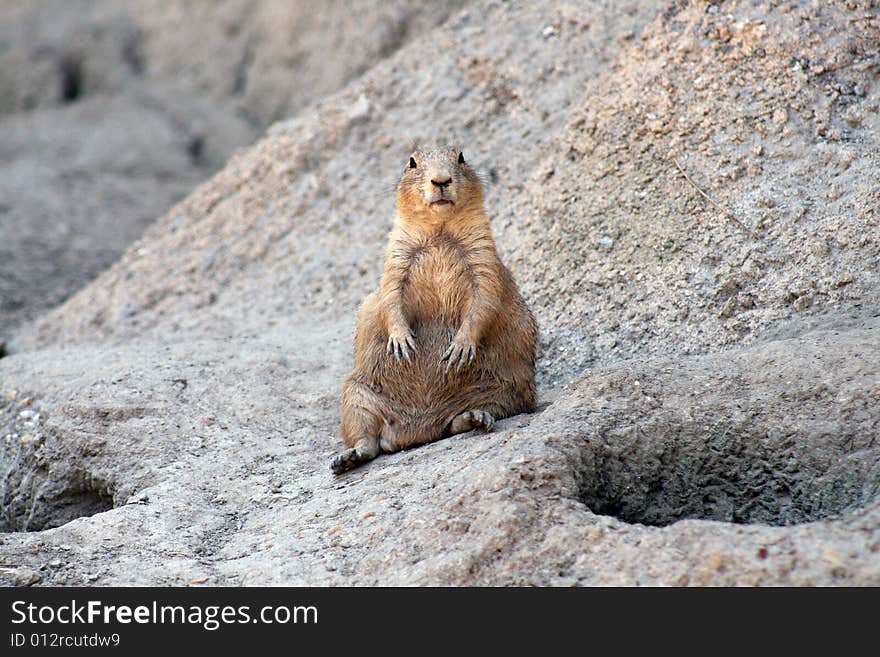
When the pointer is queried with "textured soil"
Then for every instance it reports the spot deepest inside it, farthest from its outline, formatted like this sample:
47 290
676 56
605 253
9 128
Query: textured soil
111 111
686 193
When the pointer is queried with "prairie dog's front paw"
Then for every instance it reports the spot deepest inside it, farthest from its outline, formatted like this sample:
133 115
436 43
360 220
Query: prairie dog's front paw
461 351
400 343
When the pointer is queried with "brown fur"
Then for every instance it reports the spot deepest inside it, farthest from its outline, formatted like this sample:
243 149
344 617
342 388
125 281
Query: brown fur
446 344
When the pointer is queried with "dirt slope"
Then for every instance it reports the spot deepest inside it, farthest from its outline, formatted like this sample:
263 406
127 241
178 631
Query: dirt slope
112 111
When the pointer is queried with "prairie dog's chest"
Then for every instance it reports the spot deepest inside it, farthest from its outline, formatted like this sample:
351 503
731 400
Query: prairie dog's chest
438 281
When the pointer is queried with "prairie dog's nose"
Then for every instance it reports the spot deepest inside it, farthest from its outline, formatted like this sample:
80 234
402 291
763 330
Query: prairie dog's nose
441 181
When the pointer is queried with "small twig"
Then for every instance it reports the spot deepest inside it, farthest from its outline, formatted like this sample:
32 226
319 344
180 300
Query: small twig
722 209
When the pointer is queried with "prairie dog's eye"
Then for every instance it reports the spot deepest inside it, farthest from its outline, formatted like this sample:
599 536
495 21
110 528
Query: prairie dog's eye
460 157
412 163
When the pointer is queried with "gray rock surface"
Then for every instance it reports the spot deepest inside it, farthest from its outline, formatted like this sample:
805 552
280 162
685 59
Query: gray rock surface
111 111
700 424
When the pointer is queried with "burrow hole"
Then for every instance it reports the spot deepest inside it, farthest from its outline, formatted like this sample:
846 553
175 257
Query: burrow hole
660 475
40 489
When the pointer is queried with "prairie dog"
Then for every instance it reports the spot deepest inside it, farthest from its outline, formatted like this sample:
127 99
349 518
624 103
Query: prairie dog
446 344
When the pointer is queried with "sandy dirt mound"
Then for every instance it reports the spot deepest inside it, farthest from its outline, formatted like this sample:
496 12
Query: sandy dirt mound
112 111
772 114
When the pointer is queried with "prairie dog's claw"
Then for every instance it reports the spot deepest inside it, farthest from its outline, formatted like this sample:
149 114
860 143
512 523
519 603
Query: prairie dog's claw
459 353
401 345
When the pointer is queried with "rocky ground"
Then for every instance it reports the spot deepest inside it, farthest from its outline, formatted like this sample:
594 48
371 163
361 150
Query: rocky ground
111 111
687 194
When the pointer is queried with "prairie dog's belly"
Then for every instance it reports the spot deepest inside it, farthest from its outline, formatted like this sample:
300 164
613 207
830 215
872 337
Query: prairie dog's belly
418 386
439 287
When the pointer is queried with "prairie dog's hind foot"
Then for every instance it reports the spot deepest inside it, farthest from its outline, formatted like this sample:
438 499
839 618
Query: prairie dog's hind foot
470 420
365 450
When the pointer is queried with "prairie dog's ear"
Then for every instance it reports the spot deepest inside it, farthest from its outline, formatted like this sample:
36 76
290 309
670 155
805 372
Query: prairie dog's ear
460 157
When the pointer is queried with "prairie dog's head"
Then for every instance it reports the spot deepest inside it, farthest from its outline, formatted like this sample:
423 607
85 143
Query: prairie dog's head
437 184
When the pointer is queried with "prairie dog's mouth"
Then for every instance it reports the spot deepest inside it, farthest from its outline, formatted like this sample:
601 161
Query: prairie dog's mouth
442 201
